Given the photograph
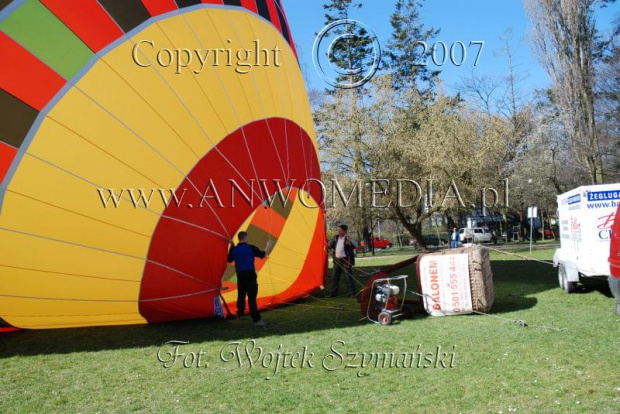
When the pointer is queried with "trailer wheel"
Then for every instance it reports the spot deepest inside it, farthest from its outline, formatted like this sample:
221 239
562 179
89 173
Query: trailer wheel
569 287
385 318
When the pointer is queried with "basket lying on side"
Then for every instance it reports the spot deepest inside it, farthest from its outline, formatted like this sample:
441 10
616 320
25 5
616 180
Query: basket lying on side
457 281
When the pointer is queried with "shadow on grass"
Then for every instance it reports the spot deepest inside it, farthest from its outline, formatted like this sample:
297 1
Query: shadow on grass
308 315
516 284
600 286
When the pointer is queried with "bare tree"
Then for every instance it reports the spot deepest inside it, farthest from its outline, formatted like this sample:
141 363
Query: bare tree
563 39
608 104
505 113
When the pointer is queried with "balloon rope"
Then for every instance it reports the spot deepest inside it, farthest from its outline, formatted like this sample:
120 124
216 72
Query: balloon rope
112 300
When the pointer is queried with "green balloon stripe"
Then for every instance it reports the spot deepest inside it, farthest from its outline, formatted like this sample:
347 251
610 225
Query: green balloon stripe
38 30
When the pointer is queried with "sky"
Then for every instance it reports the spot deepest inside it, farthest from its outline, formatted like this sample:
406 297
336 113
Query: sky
464 21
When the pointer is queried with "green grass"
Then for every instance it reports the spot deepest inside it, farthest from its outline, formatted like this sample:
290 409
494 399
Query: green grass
499 366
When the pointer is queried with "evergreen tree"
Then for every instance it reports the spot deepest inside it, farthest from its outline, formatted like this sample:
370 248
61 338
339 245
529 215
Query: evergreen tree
405 51
353 52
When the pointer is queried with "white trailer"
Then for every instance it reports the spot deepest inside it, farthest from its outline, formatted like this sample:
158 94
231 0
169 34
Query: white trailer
586 215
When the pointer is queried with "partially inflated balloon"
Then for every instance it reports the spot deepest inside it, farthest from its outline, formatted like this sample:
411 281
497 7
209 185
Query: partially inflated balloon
197 107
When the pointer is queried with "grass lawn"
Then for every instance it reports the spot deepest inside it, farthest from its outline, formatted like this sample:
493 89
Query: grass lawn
498 366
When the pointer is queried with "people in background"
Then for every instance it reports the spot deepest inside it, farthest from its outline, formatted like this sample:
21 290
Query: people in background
454 238
343 248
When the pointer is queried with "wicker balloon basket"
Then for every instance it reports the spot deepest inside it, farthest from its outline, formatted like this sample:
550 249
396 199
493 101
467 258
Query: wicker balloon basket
457 281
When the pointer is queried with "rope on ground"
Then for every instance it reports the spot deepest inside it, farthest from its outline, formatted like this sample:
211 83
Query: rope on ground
338 307
521 256
521 322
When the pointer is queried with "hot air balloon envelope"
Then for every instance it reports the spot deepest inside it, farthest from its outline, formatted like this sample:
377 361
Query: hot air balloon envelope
137 138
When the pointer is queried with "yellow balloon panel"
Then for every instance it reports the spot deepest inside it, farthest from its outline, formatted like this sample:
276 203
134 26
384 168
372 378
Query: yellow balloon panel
65 271
129 110
151 85
207 26
42 314
50 256
53 186
86 118
81 155
210 110
34 217
260 77
76 289
243 88
231 34
284 83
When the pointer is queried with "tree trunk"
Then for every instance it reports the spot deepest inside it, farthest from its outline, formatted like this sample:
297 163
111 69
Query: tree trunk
415 228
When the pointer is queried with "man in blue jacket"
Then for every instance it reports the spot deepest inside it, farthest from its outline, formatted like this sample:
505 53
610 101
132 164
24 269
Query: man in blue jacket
454 238
243 255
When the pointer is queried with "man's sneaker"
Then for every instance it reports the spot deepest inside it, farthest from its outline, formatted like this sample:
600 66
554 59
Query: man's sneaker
261 323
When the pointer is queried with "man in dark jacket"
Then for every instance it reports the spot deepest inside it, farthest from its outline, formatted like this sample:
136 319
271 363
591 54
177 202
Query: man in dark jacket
243 255
454 238
343 247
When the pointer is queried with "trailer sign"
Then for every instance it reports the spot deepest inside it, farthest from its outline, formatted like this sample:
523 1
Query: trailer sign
606 222
574 199
575 229
603 195
604 227
601 200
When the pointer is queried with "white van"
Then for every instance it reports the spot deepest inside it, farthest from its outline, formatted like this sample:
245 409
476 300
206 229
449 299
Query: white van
476 235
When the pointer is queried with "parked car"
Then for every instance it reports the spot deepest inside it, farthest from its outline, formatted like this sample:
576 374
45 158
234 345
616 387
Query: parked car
382 243
551 233
476 235
433 240
513 233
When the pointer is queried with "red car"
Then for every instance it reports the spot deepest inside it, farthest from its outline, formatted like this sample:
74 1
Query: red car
551 234
381 243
